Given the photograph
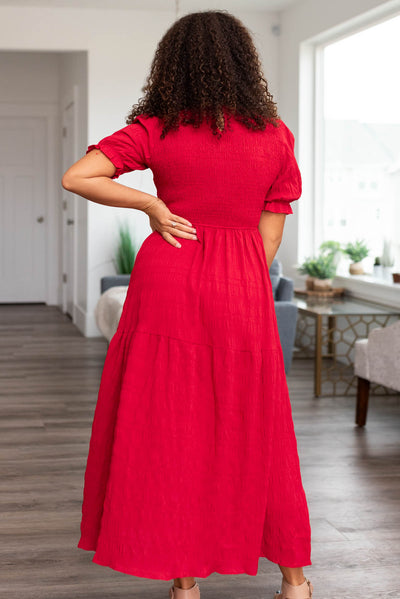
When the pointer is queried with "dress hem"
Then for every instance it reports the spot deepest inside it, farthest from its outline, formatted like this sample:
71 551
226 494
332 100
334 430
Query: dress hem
114 565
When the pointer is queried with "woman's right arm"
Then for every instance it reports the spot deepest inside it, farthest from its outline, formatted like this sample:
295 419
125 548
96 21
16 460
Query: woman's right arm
91 178
271 227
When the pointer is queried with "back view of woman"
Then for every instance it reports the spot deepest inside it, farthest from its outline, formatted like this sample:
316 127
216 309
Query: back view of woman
193 465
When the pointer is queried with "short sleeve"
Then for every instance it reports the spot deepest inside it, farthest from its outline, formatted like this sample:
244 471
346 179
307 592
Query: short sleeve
287 186
128 148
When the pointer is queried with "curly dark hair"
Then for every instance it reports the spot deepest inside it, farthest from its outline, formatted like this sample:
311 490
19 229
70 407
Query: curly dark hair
204 64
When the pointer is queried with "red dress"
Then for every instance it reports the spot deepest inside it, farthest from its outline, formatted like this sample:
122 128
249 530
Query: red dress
193 465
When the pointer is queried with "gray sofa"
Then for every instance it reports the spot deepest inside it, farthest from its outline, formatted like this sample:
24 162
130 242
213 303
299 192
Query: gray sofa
285 310
109 307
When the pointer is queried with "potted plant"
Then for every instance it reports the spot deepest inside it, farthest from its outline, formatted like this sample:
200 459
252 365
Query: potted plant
356 251
126 251
378 267
125 256
332 247
320 270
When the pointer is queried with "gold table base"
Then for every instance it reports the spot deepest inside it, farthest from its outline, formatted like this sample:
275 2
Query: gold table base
318 337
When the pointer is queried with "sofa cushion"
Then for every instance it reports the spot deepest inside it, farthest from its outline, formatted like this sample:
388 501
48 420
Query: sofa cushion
109 309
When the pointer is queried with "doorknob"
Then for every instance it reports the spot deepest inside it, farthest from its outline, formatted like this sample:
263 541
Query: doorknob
70 221
40 219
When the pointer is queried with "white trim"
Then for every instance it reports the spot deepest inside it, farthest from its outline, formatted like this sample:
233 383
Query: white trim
319 146
306 151
369 288
49 111
72 96
86 323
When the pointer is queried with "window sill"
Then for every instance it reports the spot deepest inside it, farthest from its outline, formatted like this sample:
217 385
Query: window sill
370 288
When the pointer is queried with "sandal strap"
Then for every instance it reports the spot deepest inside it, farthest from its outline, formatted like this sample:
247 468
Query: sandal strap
294 592
178 593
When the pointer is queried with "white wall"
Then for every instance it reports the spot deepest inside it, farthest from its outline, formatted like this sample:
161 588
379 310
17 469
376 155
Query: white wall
29 77
120 46
309 20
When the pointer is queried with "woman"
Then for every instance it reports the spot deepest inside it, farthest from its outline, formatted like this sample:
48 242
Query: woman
193 465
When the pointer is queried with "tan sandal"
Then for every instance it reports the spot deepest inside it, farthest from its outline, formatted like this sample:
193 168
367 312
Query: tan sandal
290 591
178 593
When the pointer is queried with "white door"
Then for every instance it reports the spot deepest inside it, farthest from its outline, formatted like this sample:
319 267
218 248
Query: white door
23 218
69 210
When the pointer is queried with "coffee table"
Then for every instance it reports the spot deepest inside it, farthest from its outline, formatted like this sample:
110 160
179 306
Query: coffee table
327 330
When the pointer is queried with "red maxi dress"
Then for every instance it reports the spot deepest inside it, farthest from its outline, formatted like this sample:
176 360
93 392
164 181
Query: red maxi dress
193 465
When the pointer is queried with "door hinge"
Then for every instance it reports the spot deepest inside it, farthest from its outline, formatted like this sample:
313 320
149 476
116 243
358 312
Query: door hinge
65 277
64 132
65 205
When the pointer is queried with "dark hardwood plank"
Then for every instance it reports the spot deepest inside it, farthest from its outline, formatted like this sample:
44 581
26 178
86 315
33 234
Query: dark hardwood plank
49 377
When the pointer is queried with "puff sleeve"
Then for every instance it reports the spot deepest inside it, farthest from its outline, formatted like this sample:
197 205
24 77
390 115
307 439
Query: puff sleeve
128 148
287 186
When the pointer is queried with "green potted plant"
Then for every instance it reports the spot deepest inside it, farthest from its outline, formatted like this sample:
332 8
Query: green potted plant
332 247
377 268
357 251
126 252
320 270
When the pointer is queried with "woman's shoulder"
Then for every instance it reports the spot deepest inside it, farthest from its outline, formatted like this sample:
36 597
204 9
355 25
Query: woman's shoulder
147 120
278 131
283 132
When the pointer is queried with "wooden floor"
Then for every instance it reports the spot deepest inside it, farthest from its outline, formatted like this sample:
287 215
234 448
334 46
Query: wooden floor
49 376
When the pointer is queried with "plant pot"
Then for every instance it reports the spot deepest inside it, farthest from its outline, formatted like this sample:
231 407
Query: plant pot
356 268
310 283
396 277
322 284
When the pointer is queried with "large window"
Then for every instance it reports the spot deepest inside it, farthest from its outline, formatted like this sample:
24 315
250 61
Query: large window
360 140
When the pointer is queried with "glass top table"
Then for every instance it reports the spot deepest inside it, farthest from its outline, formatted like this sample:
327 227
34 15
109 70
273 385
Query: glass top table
327 330
344 306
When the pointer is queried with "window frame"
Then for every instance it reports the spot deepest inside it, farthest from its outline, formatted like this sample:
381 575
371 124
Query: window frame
311 145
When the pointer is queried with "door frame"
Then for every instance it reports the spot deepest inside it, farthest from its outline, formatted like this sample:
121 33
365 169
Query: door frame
72 96
50 112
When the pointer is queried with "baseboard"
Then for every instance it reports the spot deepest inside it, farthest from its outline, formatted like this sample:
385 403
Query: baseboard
85 322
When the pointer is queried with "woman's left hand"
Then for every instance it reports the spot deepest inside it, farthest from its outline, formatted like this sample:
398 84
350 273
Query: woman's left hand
169 224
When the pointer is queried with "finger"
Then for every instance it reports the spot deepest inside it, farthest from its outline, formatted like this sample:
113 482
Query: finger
182 229
181 223
168 237
180 219
180 233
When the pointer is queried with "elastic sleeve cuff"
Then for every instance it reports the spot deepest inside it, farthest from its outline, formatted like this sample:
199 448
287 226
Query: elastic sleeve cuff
278 206
111 155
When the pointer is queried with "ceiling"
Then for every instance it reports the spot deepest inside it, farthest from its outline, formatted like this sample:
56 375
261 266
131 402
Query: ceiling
166 5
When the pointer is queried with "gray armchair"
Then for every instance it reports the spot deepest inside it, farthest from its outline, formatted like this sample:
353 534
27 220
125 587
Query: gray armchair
376 360
285 309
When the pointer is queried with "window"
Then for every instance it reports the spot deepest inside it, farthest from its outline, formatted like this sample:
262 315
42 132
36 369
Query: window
360 139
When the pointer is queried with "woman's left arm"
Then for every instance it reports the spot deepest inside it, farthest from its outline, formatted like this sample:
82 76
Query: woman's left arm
271 228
